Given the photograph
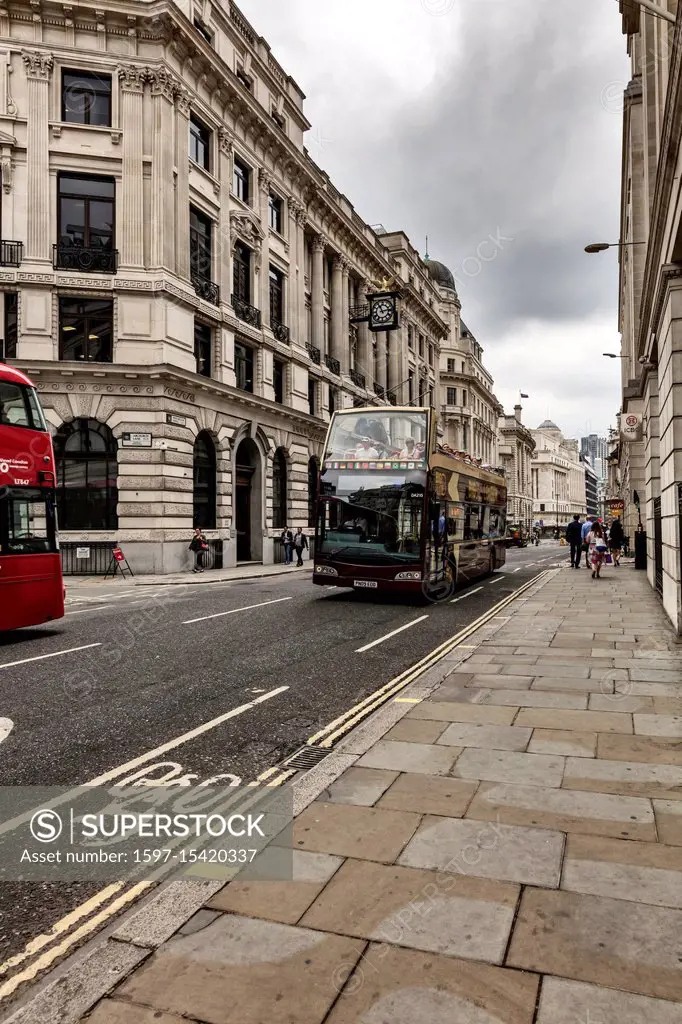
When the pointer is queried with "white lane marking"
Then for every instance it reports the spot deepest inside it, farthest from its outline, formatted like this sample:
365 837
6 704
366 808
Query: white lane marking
233 611
530 563
517 570
6 726
496 580
55 654
468 594
393 632
82 611
151 755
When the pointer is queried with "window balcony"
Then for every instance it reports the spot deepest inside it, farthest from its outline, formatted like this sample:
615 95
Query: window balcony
281 332
85 259
357 378
11 253
379 390
206 289
333 364
249 314
314 353
359 314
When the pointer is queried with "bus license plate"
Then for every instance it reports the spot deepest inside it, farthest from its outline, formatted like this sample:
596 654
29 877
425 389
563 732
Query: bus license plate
365 583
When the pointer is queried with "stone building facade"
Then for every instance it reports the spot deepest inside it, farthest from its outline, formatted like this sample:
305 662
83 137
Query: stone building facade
469 410
516 448
647 457
181 281
557 477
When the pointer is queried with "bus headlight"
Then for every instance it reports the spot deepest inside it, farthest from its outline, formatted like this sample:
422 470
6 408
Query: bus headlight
326 570
408 576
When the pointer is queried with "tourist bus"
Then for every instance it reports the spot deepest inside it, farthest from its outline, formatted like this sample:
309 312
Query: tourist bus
398 512
31 588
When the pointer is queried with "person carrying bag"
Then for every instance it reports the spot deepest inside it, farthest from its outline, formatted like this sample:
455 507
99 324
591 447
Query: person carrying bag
198 546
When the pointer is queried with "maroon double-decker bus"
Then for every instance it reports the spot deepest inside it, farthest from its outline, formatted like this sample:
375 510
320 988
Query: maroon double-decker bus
31 587
398 512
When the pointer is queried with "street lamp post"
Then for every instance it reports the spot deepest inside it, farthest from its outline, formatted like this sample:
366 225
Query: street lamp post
612 355
601 246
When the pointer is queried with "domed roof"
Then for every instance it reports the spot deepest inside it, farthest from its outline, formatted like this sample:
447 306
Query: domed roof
548 425
439 273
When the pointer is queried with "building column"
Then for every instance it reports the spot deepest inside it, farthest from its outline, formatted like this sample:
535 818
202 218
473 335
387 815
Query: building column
345 315
39 234
381 358
365 363
130 207
336 301
224 263
302 324
394 363
182 106
162 226
264 184
317 289
293 289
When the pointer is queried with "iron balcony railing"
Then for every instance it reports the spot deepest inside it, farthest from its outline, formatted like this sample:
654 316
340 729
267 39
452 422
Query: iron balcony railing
86 259
314 353
379 390
11 253
281 331
332 364
357 378
359 314
249 314
206 289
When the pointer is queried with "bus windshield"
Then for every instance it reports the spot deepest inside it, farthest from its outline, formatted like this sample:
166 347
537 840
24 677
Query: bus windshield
378 433
19 407
371 518
27 521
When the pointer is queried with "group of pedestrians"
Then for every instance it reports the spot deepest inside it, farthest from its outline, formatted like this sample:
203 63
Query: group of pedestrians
291 542
599 544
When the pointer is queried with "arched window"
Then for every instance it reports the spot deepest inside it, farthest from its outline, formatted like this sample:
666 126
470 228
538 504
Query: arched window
279 489
87 494
204 482
313 474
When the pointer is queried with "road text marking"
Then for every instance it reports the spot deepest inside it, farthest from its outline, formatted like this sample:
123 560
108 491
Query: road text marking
233 611
55 654
393 632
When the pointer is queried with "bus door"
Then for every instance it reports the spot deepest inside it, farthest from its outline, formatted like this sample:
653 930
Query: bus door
473 557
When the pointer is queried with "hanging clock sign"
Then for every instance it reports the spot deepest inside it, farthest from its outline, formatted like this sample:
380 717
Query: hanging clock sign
383 311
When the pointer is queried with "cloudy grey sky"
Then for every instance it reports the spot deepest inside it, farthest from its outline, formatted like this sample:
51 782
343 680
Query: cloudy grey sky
465 119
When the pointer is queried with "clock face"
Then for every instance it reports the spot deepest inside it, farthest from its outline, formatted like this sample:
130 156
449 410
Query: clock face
383 312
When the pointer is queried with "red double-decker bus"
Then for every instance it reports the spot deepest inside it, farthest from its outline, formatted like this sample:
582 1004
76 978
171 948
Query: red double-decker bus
31 587
396 511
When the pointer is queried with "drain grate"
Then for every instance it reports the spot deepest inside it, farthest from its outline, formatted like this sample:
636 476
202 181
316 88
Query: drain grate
306 757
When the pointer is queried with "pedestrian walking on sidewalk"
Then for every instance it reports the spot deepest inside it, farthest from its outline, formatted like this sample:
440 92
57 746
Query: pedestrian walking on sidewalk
597 544
574 538
616 538
300 542
198 546
287 539
586 527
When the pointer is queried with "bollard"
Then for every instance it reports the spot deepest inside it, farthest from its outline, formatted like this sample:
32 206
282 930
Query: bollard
640 549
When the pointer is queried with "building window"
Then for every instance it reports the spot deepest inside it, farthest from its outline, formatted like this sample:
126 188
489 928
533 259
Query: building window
10 331
203 344
464 399
279 119
421 345
276 296
86 330
542 508
278 381
410 336
430 355
279 489
275 213
203 29
87 495
452 367
241 272
452 396
245 79
332 400
86 212
200 244
410 387
86 98
313 477
205 490
241 177
199 142
312 404
243 366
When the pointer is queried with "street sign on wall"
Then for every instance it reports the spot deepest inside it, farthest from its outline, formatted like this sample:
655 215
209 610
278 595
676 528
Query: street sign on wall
615 507
631 428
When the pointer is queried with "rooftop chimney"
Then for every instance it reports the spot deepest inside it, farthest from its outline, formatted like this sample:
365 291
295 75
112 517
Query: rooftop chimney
517 412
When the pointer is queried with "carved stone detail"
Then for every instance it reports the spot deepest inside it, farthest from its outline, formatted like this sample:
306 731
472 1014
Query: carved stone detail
319 243
6 168
225 141
132 77
264 180
38 65
163 83
182 100
247 228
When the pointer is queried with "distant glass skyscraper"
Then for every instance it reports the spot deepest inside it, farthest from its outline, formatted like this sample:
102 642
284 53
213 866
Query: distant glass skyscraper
595 450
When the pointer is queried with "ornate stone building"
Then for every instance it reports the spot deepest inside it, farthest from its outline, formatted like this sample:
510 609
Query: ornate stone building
647 457
469 410
516 448
184 285
557 477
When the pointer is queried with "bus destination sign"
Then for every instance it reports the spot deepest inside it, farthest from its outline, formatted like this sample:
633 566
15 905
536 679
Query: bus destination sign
374 465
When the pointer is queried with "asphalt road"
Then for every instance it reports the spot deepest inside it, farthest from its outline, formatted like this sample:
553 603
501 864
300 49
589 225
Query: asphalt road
131 669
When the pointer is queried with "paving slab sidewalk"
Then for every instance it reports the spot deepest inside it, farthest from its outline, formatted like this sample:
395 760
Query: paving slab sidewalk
240 572
505 853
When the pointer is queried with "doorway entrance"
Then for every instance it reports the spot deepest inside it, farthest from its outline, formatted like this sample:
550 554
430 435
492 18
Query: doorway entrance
248 503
